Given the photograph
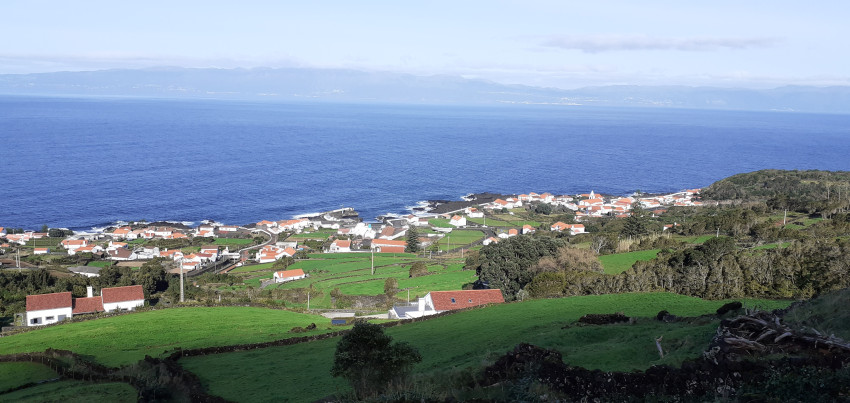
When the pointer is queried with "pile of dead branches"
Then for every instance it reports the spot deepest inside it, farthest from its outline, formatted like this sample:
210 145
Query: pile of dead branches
764 333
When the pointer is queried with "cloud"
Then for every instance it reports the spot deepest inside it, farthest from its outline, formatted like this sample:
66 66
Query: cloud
608 43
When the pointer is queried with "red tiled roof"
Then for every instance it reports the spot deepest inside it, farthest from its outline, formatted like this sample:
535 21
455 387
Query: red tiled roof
385 242
49 301
290 273
450 300
342 243
88 305
121 294
290 251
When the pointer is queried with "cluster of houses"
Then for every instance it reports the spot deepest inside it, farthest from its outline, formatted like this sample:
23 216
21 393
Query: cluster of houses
44 309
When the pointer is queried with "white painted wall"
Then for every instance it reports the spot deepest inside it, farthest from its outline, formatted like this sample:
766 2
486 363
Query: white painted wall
128 305
43 315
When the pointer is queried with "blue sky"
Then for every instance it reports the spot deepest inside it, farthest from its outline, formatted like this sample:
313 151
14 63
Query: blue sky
566 44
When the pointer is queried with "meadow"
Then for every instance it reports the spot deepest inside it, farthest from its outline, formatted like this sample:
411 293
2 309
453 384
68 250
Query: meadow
119 340
467 339
73 392
620 262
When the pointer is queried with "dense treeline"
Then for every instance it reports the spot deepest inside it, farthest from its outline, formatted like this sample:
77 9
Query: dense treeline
799 186
716 269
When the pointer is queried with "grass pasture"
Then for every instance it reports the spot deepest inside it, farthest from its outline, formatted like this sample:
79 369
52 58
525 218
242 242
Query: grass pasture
118 340
352 275
73 392
459 238
620 262
15 374
233 241
467 339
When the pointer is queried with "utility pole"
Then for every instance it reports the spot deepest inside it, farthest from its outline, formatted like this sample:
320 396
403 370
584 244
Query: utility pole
373 260
785 217
308 300
718 233
181 282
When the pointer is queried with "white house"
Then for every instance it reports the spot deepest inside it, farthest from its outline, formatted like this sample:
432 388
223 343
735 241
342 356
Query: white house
473 212
87 271
123 298
339 246
458 221
288 275
73 244
40 251
45 309
441 301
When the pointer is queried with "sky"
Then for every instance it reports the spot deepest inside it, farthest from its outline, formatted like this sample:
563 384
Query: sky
563 44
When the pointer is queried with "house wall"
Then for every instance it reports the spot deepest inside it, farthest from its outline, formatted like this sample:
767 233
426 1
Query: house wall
43 315
128 305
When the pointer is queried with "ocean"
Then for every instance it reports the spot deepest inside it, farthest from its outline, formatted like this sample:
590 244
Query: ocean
90 162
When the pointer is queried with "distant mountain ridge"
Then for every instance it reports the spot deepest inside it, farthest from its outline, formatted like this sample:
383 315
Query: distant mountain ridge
340 85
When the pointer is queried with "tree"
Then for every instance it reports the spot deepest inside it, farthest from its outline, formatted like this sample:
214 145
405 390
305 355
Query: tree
505 265
413 245
390 286
635 224
418 269
371 363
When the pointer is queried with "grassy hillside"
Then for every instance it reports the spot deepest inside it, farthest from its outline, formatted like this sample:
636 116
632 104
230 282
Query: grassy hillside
467 339
73 392
764 184
620 262
128 338
828 314
15 374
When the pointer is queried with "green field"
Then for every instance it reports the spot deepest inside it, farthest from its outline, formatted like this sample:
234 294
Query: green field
352 274
620 262
128 338
233 241
15 374
440 223
459 238
490 222
73 392
100 263
321 235
470 338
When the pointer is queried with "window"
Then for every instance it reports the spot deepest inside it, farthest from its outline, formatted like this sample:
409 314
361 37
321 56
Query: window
35 321
453 300
62 317
49 318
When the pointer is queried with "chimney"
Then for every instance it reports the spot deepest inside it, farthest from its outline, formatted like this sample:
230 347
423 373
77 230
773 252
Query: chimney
89 291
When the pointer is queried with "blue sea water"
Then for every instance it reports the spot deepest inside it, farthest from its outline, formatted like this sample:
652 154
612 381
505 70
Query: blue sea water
80 163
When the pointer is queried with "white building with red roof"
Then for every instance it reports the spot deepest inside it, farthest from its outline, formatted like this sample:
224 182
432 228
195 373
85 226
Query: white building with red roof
340 246
441 301
387 246
122 298
45 309
73 244
458 221
288 275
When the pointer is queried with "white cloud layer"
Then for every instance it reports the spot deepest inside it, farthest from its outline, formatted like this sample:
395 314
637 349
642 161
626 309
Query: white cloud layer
608 43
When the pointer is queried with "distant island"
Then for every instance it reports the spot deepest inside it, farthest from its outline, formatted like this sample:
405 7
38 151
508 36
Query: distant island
354 86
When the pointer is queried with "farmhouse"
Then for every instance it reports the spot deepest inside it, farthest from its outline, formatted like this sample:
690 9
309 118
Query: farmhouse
441 301
340 245
288 275
387 246
45 309
122 298
458 221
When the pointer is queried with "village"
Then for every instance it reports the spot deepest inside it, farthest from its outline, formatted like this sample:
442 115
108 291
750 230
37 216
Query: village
220 248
